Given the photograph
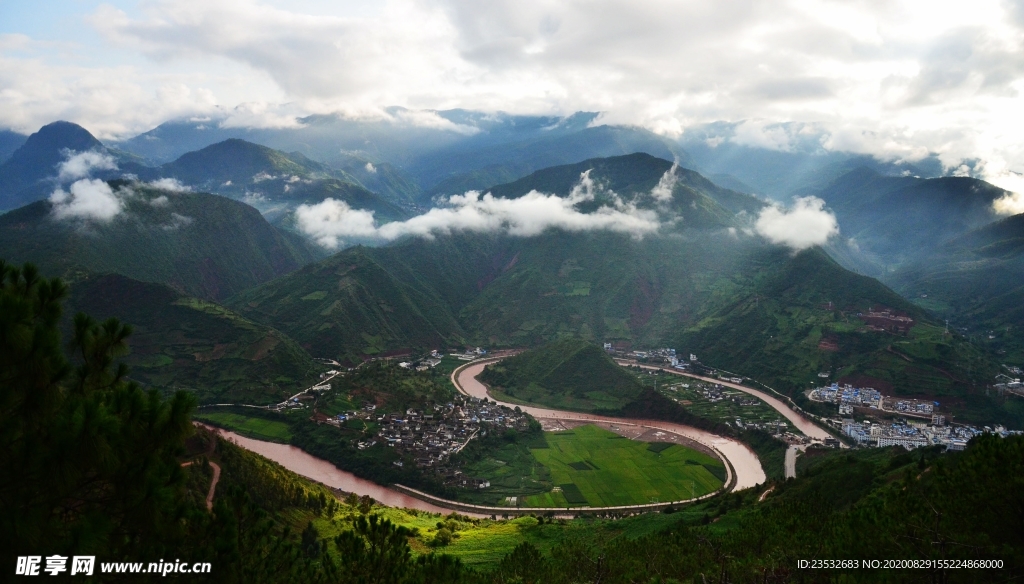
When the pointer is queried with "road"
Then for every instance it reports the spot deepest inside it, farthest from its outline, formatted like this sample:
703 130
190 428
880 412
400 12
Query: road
805 426
791 462
744 462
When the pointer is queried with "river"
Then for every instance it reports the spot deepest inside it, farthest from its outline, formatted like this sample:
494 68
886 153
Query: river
743 460
302 463
746 464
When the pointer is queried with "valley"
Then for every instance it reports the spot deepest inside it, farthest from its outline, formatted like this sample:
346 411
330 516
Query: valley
478 367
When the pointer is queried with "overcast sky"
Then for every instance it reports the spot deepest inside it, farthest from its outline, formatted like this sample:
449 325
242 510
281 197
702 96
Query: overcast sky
891 78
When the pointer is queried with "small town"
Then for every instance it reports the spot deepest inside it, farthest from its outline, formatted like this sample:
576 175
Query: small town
921 424
849 397
913 434
430 437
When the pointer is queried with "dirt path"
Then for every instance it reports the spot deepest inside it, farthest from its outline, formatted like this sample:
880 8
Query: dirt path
213 486
216 473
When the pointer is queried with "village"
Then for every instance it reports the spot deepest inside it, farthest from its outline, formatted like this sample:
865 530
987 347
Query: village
429 438
921 424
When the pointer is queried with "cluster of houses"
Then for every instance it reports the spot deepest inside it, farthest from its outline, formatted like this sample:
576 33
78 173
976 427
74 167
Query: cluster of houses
915 434
849 397
1010 381
430 437
714 393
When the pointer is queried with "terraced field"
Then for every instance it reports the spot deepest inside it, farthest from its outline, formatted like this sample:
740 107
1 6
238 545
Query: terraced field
592 466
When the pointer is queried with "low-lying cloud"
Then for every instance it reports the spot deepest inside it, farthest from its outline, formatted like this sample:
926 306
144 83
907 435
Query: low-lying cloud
82 164
1009 204
170 184
662 192
86 199
804 225
332 223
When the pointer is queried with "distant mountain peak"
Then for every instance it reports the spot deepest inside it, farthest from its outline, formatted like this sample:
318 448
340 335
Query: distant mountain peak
38 157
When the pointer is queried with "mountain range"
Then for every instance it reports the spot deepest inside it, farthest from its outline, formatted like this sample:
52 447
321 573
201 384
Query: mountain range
703 283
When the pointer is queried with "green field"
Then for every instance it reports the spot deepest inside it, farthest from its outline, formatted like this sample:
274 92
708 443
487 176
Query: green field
595 467
259 428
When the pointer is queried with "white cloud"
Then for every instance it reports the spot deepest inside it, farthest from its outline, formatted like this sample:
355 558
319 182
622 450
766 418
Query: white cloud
873 77
1009 204
662 192
370 168
177 221
161 201
332 223
86 199
170 184
804 225
82 164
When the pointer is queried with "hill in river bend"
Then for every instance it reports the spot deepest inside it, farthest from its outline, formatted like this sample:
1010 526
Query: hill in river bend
567 373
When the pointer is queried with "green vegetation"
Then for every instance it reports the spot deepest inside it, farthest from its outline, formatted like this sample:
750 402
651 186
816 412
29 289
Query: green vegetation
732 404
203 245
570 374
253 427
598 468
74 433
974 281
740 305
196 345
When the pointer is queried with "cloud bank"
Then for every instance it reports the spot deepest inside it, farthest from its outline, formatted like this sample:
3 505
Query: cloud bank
86 199
804 225
873 77
170 184
82 164
333 223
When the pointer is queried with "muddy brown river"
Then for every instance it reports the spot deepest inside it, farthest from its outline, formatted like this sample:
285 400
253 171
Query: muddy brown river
748 468
743 460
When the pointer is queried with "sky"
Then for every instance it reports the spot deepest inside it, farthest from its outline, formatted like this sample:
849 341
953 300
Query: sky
898 79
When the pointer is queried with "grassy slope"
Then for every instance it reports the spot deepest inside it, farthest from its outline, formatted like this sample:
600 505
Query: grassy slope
187 343
203 245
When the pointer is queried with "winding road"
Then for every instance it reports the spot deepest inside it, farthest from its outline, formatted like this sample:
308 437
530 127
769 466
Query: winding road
743 462
807 427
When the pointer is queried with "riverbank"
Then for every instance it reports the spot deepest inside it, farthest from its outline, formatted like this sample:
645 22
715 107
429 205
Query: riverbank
744 467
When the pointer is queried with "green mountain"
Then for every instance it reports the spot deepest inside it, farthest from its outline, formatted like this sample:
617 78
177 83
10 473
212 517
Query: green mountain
235 165
9 142
741 305
888 221
367 301
380 177
809 315
975 281
276 182
184 343
199 244
701 203
37 159
569 373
